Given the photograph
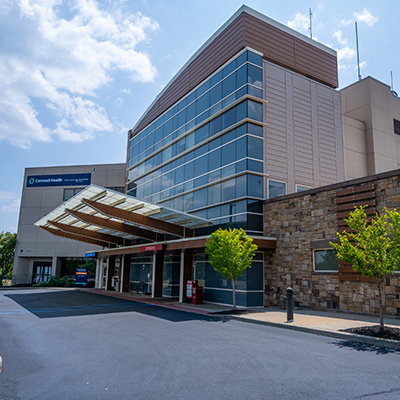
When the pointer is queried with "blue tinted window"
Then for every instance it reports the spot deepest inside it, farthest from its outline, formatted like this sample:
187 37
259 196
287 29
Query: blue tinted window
255 129
200 165
256 166
200 181
276 189
228 85
215 126
200 198
228 118
241 111
203 103
241 188
253 91
203 88
254 75
255 147
216 78
214 160
189 171
228 137
191 111
241 59
216 94
240 166
228 190
214 195
255 110
241 148
255 186
241 76
201 133
254 58
228 153
202 117
229 68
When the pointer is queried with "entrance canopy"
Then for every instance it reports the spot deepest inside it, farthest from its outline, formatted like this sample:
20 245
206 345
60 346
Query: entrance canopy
107 218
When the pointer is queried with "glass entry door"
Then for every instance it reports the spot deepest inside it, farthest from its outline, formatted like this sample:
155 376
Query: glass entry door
41 271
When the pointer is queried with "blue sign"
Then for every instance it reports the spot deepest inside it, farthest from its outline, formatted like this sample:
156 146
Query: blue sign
81 276
59 180
90 254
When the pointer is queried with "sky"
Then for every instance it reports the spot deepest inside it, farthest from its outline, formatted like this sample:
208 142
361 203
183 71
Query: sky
76 75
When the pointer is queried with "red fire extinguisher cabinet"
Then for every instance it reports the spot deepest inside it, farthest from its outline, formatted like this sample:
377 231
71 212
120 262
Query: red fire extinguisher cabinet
197 295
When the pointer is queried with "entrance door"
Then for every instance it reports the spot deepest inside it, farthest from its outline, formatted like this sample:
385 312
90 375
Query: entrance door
41 271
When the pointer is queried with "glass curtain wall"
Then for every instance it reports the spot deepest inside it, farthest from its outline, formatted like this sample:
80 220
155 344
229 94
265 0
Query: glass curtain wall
205 154
249 287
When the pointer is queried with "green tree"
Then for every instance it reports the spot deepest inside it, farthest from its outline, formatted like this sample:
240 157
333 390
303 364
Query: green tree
7 250
372 248
230 252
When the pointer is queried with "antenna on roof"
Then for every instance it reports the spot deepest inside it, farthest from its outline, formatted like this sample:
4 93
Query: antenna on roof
391 85
358 54
310 28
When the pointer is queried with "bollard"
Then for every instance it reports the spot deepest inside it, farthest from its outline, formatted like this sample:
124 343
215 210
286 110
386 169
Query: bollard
289 304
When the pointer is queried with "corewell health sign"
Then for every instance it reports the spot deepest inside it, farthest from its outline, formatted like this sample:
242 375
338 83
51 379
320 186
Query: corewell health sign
58 180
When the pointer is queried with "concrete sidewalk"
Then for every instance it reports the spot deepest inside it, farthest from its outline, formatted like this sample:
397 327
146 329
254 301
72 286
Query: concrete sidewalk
317 322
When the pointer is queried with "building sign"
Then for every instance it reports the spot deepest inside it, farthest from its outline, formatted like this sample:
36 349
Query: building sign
153 247
90 254
81 276
58 180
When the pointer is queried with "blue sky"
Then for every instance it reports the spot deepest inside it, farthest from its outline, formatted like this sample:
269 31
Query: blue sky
75 75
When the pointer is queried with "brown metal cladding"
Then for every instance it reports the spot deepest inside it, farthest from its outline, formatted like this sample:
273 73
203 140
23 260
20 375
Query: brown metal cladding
277 46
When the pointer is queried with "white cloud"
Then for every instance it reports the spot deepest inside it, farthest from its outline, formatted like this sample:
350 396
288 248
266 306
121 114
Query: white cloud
363 16
339 36
300 23
345 22
363 64
346 53
366 17
126 91
6 196
11 208
57 65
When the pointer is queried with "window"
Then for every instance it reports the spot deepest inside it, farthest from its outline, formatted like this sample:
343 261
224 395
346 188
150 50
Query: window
276 188
396 124
325 260
301 188
68 193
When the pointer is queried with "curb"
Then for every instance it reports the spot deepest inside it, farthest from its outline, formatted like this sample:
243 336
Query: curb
392 344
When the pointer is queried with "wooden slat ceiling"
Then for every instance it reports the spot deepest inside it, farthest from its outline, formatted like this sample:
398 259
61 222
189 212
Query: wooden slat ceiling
107 218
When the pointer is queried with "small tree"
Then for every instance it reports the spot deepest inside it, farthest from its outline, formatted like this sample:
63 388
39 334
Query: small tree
230 252
7 250
372 248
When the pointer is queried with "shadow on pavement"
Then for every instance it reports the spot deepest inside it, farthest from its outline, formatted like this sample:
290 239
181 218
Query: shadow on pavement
358 346
76 303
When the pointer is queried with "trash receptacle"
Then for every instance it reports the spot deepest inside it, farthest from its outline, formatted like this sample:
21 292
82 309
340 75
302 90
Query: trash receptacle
197 295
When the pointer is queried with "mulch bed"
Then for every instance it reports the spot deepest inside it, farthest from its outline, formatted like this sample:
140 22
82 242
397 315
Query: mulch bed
375 331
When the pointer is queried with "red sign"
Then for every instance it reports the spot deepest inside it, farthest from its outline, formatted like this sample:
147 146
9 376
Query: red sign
153 247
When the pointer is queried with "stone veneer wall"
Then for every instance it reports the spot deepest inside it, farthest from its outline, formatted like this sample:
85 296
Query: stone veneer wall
303 221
